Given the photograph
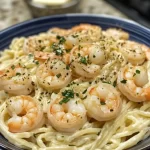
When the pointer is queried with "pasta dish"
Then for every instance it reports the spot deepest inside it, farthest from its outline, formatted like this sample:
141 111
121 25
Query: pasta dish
81 88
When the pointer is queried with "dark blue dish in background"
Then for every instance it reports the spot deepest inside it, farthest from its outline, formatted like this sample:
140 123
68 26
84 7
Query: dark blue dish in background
137 33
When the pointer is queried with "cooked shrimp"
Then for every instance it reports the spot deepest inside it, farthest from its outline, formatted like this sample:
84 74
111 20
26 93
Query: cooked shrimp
66 114
84 33
86 59
25 114
103 102
16 80
44 47
146 49
58 31
132 81
53 74
116 34
134 52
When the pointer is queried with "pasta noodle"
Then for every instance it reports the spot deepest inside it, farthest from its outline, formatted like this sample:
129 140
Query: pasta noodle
49 84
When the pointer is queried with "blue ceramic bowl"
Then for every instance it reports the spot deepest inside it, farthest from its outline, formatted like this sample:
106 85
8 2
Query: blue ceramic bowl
137 33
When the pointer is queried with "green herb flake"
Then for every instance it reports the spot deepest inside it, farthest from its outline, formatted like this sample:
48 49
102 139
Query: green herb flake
58 75
30 55
79 54
18 74
103 103
77 94
115 83
59 52
124 81
61 39
138 71
79 47
84 91
68 93
106 82
83 60
99 133
84 97
55 46
37 63
67 67
13 67
71 145
64 100
75 36
68 50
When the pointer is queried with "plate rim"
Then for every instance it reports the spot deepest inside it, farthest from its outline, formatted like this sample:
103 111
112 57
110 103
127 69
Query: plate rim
131 22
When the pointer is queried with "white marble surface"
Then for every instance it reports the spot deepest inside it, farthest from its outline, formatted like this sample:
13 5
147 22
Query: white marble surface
15 11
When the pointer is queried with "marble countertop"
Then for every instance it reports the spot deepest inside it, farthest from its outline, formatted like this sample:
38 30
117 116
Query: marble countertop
15 11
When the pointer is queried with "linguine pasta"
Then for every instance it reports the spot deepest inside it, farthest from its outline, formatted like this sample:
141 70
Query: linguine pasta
92 58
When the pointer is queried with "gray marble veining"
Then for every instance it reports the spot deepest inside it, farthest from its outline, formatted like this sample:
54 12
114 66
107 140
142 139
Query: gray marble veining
15 11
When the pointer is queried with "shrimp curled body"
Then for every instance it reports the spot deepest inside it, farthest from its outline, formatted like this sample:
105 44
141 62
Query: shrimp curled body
26 114
66 117
53 75
116 33
86 59
103 102
84 33
16 80
132 81
134 52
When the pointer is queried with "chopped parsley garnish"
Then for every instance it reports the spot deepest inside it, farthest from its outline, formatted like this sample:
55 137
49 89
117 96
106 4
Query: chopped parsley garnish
42 48
18 74
30 55
55 46
75 36
64 100
68 94
138 71
106 82
103 103
84 97
84 91
67 67
57 49
79 47
59 52
68 50
115 83
99 133
83 60
77 94
13 67
124 81
58 75
37 63
61 39
79 54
